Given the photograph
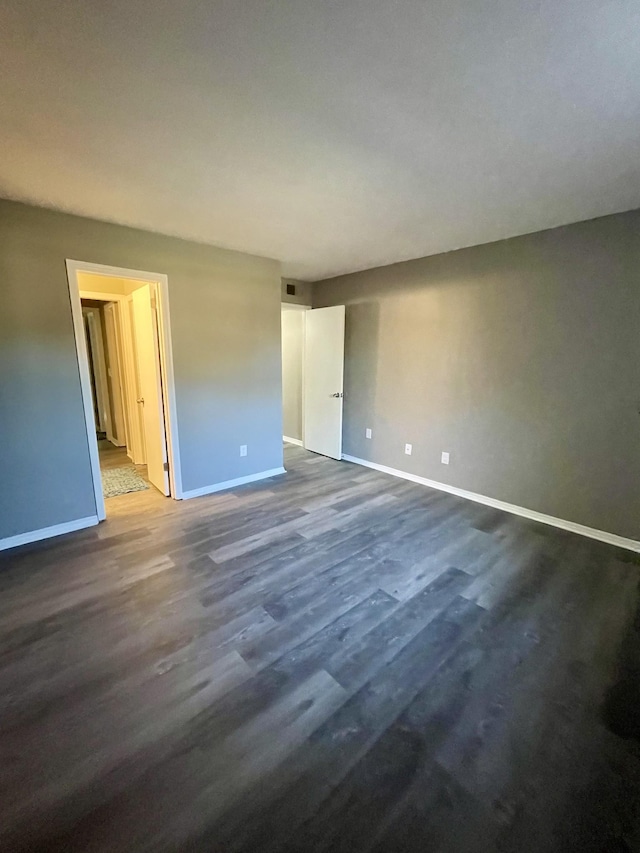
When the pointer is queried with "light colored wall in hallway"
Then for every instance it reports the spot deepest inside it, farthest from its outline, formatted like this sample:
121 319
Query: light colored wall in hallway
520 358
92 283
292 352
225 319
107 284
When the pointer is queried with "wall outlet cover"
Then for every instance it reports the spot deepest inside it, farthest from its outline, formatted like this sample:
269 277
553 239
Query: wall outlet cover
408 448
444 458
243 450
367 433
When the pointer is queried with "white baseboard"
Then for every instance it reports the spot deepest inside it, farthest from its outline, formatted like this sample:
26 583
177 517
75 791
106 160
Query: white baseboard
292 440
231 484
48 532
571 526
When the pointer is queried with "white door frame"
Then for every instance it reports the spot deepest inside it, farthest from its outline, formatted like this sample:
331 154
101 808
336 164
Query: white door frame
166 365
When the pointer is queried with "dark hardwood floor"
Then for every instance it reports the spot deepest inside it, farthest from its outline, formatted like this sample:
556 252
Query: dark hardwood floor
332 660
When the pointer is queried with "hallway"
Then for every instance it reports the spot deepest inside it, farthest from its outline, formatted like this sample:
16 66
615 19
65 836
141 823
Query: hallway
115 457
119 473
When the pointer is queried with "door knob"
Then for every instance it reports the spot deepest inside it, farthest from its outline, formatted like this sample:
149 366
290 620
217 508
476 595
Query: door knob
140 400
337 394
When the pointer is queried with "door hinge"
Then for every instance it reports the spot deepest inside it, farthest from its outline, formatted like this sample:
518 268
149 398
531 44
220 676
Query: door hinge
166 466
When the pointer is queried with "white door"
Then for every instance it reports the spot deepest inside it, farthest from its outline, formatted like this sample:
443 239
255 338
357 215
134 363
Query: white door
323 377
148 358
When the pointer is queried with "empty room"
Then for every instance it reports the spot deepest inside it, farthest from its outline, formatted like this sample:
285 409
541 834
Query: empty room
320 427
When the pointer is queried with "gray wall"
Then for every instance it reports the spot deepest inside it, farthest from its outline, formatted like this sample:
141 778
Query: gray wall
521 358
292 351
225 316
303 294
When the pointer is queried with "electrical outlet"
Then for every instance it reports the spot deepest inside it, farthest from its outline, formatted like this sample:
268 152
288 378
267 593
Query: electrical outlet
367 433
408 448
444 458
243 450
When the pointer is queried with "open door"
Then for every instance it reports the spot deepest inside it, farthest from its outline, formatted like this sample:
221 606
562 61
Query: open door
148 356
323 378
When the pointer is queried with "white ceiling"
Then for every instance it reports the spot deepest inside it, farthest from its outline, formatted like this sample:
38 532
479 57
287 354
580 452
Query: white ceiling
333 135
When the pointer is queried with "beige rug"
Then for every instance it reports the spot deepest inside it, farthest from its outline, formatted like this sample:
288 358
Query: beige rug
119 481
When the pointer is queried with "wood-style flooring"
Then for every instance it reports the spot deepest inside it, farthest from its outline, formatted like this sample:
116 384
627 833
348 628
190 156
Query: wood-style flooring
111 456
331 660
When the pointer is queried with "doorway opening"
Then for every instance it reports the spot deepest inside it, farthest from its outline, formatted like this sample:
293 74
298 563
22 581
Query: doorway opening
312 377
293 329
121 325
